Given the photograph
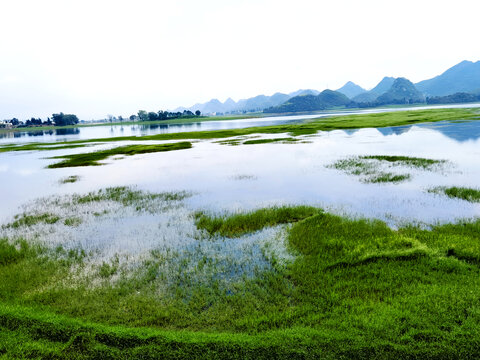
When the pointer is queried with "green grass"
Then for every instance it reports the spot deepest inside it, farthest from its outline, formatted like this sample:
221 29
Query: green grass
369 167
28 220
40 147
128 196
406 160
468 194
384 177
93 158
396 118
355 289
239 224
69 179
266 141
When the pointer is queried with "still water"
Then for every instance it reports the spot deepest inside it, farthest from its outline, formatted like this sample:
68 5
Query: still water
94 132
250 176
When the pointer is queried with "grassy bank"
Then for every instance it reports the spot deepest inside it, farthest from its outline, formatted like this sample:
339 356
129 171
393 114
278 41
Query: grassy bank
353 288
388 119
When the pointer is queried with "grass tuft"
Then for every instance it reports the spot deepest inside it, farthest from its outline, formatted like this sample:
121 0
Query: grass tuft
239 224
93 158
464 193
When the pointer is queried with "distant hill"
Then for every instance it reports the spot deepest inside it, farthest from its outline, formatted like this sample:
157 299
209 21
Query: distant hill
304 92
402 91
370 96
256 103
457 98
463 77
462 82
325 100
384 85
350 89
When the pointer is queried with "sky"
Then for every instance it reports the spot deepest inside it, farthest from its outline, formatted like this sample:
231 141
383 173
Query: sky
99 58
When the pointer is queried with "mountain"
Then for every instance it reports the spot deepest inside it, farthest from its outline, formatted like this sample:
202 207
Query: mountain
402 91
463 77
325 100
370 96
384 85
260 102
350 89
256 103
304 92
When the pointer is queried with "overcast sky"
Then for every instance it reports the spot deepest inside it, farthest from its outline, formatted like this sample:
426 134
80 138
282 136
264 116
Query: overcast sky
94 58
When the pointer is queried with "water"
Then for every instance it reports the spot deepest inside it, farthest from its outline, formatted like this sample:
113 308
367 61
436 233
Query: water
94 132
250 176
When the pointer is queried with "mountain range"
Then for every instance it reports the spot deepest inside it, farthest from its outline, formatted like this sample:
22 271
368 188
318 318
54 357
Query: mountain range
460 82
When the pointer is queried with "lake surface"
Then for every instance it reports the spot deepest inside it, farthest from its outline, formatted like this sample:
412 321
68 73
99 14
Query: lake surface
251 176
94 132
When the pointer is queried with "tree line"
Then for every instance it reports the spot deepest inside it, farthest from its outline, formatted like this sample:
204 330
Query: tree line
142 115
62 119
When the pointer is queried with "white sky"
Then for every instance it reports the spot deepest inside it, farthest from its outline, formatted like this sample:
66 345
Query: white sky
100 57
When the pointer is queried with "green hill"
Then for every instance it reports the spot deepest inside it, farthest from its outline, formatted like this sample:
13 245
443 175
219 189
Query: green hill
327 99
402 91
350 89
370 96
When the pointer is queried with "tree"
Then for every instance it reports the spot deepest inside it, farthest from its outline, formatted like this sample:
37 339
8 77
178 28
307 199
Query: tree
142 115
198 113
152 116
14 122
64 119
133 117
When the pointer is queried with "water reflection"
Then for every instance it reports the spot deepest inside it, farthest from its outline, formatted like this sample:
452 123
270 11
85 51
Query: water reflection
250 176
92 132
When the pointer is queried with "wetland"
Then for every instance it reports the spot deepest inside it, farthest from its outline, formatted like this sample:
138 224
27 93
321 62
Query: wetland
354 236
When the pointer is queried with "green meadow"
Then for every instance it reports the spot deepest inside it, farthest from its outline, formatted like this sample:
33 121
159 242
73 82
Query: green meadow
351 288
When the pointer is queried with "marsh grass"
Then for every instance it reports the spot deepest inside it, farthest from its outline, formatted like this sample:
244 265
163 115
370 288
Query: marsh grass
29 220
267 141
385 177
93 158
414 162
69 179
239 224
129 196
370 167
355 289
463 193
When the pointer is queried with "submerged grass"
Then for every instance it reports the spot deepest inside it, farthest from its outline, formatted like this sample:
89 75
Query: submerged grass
464 193
416 162
266 141
356 289
370 167
394 118
69 179
93 158
29 220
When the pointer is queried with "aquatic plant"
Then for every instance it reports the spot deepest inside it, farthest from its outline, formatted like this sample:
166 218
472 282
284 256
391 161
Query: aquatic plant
93 158
464 193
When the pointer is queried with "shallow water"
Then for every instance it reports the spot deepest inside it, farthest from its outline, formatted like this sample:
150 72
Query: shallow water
94 132
251 176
